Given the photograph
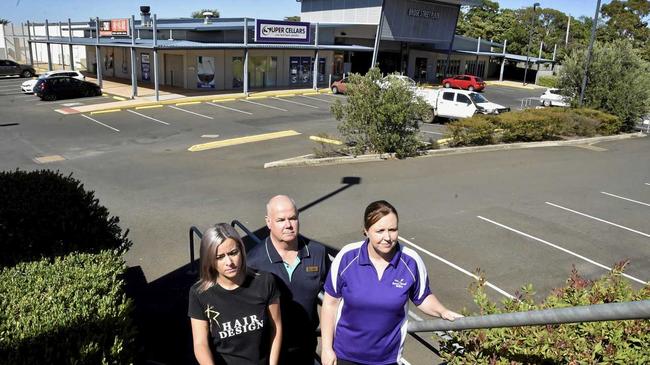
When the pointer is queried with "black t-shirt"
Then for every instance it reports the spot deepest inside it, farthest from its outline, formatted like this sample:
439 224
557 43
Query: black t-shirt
238 319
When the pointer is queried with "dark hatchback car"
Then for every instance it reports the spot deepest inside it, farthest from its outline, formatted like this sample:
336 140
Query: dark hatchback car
54 88
11 68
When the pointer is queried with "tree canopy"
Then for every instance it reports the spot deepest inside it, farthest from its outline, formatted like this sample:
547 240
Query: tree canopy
199 13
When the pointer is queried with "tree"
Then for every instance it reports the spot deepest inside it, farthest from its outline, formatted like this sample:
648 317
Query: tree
380 119
293 18
481 21
4 21
628 20
617 80
199 13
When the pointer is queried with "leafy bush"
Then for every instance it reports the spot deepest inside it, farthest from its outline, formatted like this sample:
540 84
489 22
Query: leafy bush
613 342
531 125
478 130
547 81
71 310
380 120
46 214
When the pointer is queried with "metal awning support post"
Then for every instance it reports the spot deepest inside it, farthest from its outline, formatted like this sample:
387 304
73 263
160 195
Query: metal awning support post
541 44
589 313
35 45
503 62
554 51
155 58
245 57
315 73
478 49
451 45
49 52
134 77
62 48
375 51
29 44
98 56
70 45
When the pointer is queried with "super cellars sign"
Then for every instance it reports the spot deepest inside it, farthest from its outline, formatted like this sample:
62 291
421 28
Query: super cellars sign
274 31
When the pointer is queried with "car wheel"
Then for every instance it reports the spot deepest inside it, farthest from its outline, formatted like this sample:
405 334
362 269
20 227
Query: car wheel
26 73
470 88
49 97
98 92
429 116
547 103
335 90
447 85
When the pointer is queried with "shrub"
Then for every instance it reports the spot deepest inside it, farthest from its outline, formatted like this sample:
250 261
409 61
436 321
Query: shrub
478 130
380 120
531 125
46 214
71 310
613 342
547 81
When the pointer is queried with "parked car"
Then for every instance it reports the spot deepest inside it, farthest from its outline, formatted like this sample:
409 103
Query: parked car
340 86
11 68
28 86
62 87
466 82
457 104
553 97
409 82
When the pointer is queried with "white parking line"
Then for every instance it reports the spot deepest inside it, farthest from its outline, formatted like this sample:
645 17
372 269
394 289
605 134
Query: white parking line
647 184
559 248
9 88
295 102
402 239
599 219
628 199
227 108
98 122
260 104
146 116
187 111
441 134
317 99
25 96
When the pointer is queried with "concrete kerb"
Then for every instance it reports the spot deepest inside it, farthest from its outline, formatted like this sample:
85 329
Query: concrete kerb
309 160
132 104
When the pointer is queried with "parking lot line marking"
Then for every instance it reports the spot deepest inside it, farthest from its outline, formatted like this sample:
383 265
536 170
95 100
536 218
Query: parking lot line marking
7 88
647 184
268 106
119 98
456 267
317 99
624 198
558 247
148 106
210 136
187 111
188 103
48 159
220 100
24 96
242 140
233 109
98 122
599 219
295 102
148 117
105 111
325 140
438 133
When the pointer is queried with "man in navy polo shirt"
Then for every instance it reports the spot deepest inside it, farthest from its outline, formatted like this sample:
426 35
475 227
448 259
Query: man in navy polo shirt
301 265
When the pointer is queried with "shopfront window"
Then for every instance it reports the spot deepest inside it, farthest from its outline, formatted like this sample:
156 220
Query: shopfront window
302 68
237 72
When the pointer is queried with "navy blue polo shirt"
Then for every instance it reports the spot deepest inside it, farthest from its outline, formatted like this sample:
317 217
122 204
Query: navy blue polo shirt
371 325
299 294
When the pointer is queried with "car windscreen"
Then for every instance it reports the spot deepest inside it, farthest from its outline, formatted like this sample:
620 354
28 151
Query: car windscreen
478 98
478 79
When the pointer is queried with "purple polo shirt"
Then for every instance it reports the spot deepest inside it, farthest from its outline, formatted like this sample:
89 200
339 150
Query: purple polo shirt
372 318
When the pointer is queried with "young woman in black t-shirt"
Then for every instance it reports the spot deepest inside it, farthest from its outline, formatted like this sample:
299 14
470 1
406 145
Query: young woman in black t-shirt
234 311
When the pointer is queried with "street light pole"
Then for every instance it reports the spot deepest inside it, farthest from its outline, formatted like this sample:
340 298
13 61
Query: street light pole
530 39
591 47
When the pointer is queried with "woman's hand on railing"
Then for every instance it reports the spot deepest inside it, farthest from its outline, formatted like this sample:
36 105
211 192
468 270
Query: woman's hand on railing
450 315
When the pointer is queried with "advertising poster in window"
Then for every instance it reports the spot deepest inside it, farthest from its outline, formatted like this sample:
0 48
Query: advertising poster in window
305 70
237 72
321 69
205 72
294 63
145 67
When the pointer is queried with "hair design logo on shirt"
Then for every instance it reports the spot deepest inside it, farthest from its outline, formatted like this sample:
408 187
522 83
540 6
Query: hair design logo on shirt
399 283
212 315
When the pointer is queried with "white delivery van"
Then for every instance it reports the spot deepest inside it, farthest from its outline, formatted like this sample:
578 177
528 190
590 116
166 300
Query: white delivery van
457 104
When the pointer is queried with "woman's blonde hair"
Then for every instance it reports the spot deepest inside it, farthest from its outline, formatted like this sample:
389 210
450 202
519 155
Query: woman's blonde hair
212 238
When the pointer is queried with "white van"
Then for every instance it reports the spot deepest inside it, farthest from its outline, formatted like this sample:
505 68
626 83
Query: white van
457 104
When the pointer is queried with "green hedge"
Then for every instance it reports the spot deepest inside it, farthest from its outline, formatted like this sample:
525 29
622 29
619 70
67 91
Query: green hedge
613 342
46 214
532 125
547 81
68 311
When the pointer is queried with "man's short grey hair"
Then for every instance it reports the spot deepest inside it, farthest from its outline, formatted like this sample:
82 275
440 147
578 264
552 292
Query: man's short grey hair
293 202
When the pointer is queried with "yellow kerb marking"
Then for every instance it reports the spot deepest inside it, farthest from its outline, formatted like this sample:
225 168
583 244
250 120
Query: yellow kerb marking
242 140
311 93
188 103
149 106
325 140
48 159
119 98
105 111
218 100
285 95
257 97
443 140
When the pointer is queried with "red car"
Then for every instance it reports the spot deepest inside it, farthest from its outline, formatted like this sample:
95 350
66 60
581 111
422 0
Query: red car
339 87
468 82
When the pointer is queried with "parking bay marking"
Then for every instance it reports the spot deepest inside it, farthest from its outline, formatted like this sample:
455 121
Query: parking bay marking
558 247
297 103
227 108
187 111
260 104
146 116
456 267
98 122
242 140
624 198
599 219
317 99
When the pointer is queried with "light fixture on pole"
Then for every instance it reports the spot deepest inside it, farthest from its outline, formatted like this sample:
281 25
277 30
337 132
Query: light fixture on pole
530 39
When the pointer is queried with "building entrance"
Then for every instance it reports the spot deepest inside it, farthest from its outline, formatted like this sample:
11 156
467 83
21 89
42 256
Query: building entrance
174 75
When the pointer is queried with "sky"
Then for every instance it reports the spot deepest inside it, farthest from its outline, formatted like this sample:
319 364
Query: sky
19 11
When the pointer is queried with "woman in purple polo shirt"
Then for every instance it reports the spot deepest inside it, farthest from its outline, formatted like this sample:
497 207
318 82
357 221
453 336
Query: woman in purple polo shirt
373 281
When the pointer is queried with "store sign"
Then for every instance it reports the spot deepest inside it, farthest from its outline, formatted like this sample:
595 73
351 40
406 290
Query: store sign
424 13
113 27
274 31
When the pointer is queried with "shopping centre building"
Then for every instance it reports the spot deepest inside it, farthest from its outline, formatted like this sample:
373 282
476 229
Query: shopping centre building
334 37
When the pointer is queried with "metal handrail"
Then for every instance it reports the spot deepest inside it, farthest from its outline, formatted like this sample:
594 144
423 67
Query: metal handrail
236 223
588 313
193 231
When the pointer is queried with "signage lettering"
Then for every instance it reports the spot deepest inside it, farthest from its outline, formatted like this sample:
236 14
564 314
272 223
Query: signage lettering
424 13
273 31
